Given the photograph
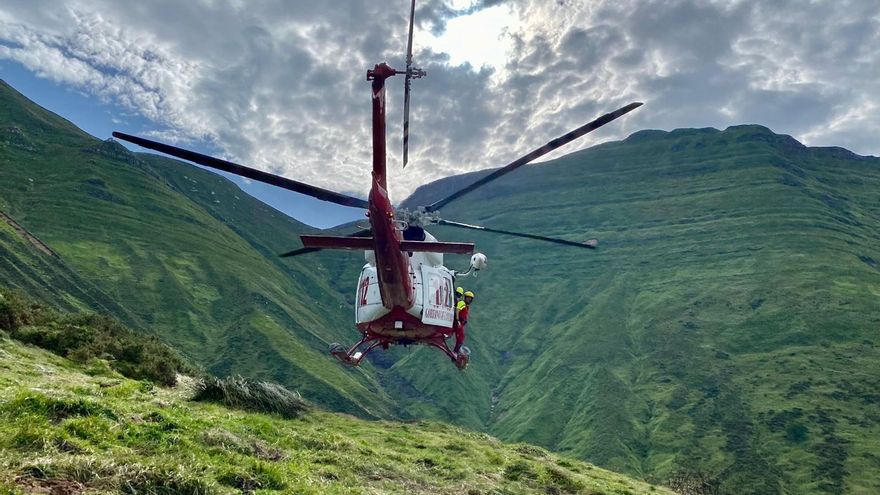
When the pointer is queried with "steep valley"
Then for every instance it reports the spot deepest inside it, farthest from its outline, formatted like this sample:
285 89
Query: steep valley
725 329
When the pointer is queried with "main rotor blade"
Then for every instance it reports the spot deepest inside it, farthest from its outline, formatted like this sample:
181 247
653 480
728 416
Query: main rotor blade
412 16
297 252
250 173
406 84
590 244
406 120
543 150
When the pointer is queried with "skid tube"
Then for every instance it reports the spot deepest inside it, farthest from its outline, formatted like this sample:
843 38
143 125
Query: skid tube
353 357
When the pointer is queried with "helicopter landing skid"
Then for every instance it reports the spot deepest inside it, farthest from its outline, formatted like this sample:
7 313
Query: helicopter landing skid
356 353
353 356
462 358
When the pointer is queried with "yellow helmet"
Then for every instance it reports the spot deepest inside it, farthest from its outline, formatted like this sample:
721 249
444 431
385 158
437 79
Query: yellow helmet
468 294
459 291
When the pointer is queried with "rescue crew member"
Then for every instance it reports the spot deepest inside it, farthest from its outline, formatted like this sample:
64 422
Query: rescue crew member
461 317
459 293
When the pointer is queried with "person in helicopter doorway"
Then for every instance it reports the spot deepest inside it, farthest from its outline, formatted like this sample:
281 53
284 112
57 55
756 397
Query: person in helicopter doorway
459 294
462 309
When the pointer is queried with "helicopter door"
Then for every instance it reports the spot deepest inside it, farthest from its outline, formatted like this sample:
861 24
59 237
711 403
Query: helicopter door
437 297
368 302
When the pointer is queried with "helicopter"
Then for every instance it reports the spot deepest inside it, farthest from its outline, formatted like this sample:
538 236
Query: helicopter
405 294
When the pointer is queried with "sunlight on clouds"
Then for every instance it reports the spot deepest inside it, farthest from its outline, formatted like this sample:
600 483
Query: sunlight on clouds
283 89
838 130
478 39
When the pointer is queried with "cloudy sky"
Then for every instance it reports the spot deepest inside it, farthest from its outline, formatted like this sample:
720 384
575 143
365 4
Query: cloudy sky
279 84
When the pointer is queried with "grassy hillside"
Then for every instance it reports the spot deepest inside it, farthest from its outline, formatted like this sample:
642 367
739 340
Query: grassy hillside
726 329
727 325
182 250
33 267
72 429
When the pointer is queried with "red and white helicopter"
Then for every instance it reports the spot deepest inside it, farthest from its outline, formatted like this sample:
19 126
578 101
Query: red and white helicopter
404 293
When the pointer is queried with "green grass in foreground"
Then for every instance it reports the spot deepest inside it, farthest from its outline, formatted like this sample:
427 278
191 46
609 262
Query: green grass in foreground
64 426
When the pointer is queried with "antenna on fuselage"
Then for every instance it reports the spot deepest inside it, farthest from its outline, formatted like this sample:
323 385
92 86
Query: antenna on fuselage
411 73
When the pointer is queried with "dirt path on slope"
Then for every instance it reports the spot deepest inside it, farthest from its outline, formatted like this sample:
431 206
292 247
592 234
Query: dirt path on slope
37 243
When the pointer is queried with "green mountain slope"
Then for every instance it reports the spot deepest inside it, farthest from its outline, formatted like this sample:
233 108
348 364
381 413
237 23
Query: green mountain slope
72 429
725 330
184 251
30 265
726 326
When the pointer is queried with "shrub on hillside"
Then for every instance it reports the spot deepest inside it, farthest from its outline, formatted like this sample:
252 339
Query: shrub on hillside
83 337
242 393
16 311
688 482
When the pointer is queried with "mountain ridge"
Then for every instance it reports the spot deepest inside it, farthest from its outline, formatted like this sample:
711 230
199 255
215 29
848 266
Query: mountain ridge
735 270
443 186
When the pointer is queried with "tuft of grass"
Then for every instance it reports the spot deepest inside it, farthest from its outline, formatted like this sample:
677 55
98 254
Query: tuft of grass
558 480
255 476
52 408
532 451
120 477
226 440
241 393
518 470
9 489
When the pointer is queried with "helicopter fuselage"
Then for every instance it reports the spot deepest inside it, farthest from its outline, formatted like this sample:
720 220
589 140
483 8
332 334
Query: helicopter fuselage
414 289
405 294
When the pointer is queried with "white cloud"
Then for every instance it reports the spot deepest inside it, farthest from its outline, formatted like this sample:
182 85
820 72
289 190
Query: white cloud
280 85
478 39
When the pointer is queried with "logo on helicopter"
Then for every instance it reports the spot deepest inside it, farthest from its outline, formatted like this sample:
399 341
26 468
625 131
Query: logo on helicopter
440 304
362 291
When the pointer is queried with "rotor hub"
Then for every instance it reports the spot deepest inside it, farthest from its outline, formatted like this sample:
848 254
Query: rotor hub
419 217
